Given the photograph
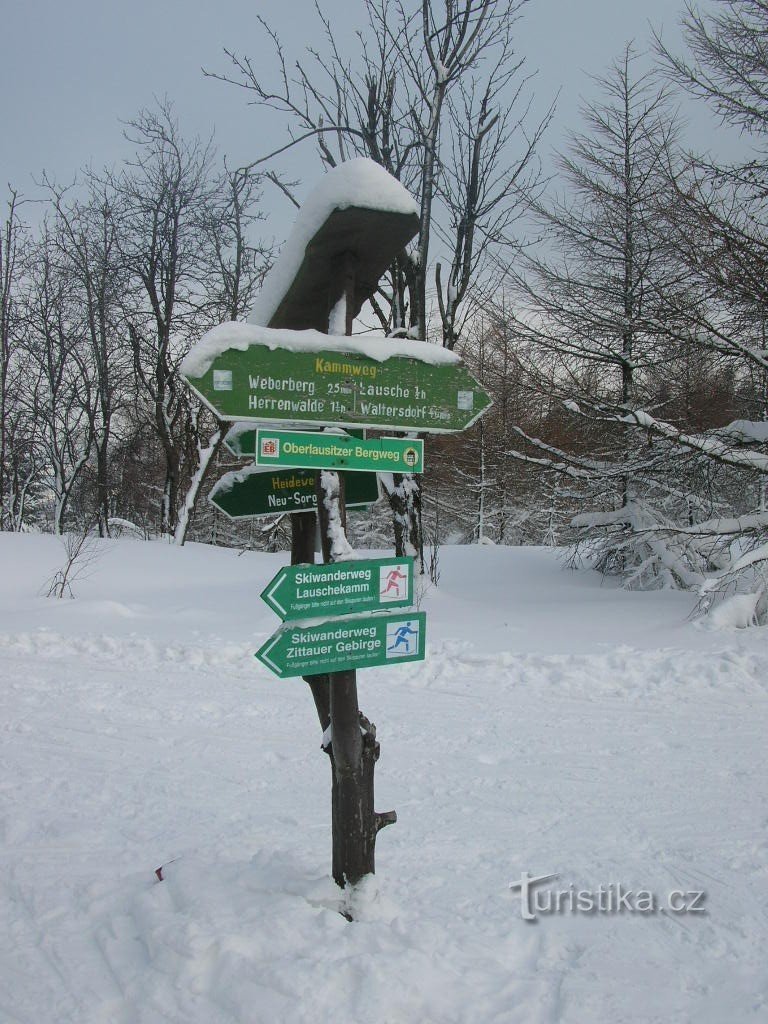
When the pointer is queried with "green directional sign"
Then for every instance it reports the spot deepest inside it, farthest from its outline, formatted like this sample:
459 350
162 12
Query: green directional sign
338 451
256 382
259 491
341 644
341 588
241 439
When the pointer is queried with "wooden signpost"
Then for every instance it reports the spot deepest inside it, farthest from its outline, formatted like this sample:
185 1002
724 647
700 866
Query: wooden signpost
282 380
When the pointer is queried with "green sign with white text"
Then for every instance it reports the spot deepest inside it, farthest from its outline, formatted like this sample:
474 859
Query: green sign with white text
331 388
259 491
240 440
342 644
338 451
340 588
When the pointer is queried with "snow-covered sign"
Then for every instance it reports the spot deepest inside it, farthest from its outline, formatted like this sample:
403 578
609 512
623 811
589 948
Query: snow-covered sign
260 491
260 374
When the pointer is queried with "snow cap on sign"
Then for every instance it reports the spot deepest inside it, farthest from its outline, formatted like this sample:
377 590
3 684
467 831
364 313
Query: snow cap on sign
235 335
358 183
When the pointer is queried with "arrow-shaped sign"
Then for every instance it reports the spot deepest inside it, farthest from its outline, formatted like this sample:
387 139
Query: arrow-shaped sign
260 491
338 451
341 644
258 374
340 588
240 439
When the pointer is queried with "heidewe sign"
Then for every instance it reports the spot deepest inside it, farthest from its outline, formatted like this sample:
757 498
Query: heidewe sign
340 588
338 451
260 491
338 388
343 644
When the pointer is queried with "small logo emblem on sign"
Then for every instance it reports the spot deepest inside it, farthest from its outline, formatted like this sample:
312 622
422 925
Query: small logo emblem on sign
270 447
222 380
393 583
410 456
465 400
402 638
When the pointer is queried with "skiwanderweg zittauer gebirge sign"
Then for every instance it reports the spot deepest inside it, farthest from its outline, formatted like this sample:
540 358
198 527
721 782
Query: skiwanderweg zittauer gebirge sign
342 644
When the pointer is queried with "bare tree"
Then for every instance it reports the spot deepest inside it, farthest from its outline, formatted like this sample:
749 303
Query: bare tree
85 235
9 273
503 500
720 220
182 230
719 224
21 467
236 260
161 202
726 62
81 553
234 268
483 192
58 393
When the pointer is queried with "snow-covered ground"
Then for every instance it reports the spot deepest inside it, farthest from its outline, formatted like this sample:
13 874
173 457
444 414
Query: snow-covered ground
557 726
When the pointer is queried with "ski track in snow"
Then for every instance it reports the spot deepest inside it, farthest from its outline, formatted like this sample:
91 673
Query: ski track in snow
131 738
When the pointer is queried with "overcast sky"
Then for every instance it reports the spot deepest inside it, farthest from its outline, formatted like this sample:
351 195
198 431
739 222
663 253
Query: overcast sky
71 69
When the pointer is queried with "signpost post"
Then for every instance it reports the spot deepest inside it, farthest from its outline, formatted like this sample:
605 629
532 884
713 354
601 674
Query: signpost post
274 375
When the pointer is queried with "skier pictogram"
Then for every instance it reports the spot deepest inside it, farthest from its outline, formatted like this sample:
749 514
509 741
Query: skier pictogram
400 635
393 580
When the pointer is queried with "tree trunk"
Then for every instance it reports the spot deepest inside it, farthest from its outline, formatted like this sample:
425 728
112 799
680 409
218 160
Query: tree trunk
102 483
351 746
205 459
169 508
405 502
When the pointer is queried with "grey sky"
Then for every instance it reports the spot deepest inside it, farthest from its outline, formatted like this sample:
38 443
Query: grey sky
70 70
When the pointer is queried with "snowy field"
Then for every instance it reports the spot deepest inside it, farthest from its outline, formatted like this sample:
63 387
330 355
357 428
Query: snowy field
558 726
